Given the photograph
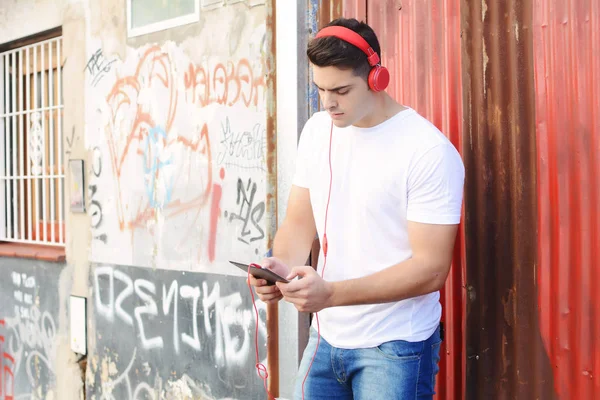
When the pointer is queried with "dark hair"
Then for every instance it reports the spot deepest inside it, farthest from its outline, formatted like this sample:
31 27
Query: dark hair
330 51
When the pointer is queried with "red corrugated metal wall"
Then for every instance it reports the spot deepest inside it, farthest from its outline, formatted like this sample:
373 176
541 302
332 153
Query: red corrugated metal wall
505 356
420 44
504 46
566 35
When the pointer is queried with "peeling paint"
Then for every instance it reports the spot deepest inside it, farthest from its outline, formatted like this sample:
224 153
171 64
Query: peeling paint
180 389
484 8
485 60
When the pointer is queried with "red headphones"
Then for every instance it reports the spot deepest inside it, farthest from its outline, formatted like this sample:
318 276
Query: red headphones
379 77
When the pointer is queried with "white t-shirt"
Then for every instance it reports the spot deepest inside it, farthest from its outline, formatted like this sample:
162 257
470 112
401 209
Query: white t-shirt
401 170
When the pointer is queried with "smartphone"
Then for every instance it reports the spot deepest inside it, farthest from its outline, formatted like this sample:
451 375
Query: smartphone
261 273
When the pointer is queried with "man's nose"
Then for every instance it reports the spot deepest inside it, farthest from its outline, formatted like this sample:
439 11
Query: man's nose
329 100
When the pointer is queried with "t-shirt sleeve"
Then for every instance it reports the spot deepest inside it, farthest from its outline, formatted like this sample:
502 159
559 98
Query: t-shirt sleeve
302 175
435 186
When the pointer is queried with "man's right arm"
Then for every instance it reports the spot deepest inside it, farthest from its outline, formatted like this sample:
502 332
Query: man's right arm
295 236
292 242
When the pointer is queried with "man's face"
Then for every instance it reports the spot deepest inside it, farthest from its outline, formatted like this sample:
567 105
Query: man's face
346 97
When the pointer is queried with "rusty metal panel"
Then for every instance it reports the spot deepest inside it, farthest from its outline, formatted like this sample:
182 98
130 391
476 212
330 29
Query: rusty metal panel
328 11
420 44
332 9
566 43
505 353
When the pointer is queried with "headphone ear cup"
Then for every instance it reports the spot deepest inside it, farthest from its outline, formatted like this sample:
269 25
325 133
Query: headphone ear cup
379 78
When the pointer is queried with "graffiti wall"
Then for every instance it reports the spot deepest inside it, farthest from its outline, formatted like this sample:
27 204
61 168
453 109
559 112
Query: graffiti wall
173 335
176 136
177 179
29 308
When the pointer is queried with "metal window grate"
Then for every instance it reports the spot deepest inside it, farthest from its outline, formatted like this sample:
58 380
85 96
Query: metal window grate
31 133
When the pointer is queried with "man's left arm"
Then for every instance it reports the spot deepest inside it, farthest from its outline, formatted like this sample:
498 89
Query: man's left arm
425 272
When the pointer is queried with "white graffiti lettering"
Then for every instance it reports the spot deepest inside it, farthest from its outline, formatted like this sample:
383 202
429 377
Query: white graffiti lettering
167 299
16 278
150 309
123 295
29 282
229 350
31 339
194 293
225 321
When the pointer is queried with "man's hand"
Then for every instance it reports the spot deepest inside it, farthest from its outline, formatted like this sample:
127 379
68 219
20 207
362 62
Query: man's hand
269 294
309 294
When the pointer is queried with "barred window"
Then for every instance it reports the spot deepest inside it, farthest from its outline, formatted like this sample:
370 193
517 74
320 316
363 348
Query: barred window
31 133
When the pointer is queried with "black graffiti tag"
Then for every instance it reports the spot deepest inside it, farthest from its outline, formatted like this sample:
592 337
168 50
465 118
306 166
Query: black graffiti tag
97 66
249 213
95 206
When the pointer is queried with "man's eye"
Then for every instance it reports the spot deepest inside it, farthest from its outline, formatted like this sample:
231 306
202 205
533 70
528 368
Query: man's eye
343 93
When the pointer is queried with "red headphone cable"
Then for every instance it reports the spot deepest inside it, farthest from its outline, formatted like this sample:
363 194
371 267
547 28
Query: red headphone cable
325 247
261 369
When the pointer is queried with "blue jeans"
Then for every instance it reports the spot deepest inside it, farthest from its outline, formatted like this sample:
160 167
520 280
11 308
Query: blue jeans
394 370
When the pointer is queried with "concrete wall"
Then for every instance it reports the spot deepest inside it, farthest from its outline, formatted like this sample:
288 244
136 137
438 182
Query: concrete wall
16 17
172 129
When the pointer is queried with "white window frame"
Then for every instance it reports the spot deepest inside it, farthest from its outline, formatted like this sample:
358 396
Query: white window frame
47 178
162 25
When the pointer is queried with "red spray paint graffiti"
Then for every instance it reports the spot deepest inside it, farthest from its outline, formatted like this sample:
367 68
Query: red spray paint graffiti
150 133
7 378
225 85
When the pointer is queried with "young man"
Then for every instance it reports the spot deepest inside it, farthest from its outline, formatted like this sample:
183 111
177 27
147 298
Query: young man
383 189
